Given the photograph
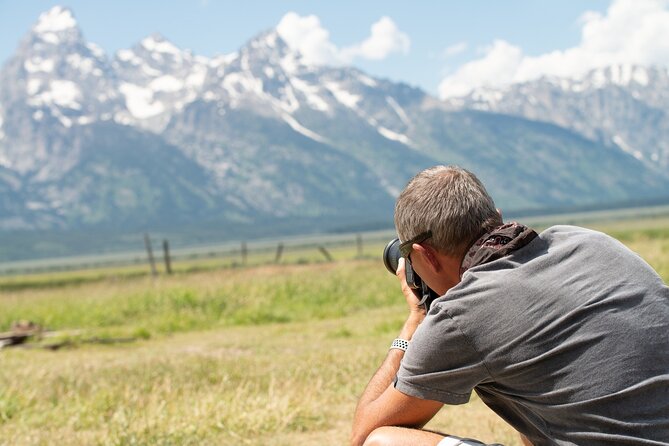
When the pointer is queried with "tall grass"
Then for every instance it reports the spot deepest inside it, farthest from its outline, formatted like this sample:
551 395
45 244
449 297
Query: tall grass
204 300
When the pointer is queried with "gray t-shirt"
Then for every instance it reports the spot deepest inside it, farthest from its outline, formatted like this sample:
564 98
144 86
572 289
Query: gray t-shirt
567 339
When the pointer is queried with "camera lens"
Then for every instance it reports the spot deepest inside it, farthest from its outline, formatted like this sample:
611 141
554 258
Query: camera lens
391 255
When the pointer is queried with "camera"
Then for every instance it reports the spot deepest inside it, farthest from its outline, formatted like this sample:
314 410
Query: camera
391 259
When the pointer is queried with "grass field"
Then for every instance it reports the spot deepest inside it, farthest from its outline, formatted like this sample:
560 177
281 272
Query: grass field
257 355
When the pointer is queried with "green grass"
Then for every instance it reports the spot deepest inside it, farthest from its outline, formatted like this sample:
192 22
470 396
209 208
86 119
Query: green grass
205 300
265 354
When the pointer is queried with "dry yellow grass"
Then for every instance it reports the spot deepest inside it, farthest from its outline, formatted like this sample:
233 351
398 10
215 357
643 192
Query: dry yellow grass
277 384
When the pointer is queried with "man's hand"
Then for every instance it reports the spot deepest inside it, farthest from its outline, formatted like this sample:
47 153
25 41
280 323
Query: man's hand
416 312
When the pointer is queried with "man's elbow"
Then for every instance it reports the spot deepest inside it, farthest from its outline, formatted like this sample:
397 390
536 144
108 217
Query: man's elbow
362 429
357 439
359 435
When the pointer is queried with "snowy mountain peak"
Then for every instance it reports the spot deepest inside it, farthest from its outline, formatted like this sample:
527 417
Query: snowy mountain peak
268 47
156 42
56 19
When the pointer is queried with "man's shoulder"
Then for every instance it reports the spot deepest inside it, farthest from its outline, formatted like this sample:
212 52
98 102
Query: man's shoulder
585 239
570 231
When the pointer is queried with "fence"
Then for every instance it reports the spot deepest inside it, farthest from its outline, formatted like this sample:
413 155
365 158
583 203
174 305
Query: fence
237 253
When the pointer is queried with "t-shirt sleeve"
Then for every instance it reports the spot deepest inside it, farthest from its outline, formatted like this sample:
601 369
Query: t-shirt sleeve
440 363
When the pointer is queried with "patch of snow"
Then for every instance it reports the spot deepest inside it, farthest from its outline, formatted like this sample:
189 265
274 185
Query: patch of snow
67 122
125 55
238 83
620 142
598 79
345 97
223 60
54 20
270 40
303 130
83 120
37 64
392 190
162 46
245 62
367 80
97 72
59 92
65 93
83 64
121 118
149 71
398 110
311 94
289 64
197 76
640 76
655 157
269 72
33 86
50 38
289 102
38 115
4 161
577 87
96 50
166 83
139 101
393 136
209 96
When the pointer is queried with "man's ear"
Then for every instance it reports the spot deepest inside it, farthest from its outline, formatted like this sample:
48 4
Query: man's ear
429 254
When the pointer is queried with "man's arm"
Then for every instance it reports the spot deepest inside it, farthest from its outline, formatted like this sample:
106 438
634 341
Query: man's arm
381 404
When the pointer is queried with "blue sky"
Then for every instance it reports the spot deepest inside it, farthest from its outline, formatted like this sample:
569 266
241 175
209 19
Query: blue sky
438 40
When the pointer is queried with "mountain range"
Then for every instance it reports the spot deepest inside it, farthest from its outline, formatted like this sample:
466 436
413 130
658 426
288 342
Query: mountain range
260 142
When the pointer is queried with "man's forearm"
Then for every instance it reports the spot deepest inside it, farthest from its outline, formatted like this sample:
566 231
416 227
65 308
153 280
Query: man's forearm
383 378
388 369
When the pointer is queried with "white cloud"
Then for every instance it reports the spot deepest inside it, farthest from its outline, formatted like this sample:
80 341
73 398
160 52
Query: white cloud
498 66
631 32
306 35
455 49
385 38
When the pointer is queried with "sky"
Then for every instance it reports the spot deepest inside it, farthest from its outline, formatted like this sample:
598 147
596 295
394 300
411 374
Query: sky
444 47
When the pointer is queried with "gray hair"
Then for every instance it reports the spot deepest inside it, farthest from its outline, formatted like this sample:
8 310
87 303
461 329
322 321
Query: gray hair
449 201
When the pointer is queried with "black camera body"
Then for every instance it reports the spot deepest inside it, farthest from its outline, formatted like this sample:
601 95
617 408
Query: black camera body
391 259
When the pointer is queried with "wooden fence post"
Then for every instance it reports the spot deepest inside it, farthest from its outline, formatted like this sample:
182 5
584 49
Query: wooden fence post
325 253
279 253
149 252
358 242
166 255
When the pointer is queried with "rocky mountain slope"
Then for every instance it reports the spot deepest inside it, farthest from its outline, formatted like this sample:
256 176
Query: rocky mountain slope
158 136
623 106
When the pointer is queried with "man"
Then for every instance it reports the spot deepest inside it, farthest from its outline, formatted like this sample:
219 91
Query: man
564 334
